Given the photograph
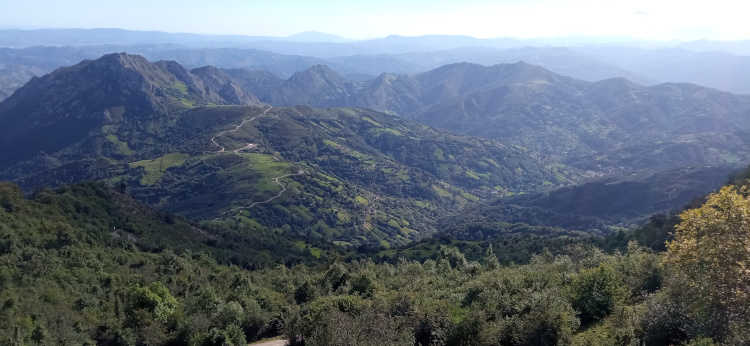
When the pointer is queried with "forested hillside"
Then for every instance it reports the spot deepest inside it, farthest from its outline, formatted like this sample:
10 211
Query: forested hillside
196 143
312 225
116 272
577 176
175 139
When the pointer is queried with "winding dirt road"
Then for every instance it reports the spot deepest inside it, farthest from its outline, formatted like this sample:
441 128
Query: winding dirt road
283 188
248 146
213 139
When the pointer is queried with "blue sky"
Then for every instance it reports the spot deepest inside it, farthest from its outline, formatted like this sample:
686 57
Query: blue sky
648 19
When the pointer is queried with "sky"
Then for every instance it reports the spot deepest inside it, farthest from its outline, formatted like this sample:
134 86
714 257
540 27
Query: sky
640 19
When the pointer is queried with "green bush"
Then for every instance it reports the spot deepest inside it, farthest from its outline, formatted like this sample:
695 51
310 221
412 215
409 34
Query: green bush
594 292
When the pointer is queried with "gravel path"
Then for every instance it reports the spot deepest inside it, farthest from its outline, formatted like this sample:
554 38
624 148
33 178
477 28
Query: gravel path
283 187
213 139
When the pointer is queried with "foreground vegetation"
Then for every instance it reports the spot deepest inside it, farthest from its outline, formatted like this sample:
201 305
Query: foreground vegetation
68 277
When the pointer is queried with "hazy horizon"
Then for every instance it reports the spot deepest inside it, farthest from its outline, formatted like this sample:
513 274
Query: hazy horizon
581 38
638 20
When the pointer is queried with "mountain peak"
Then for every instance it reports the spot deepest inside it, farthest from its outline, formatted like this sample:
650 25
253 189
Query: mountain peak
318 84
123 58
224 85
120 60
463 77
616 81
317 74
71 101
321 68
521 63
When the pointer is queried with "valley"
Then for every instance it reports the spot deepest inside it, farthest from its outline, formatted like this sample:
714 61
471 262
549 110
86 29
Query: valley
160 188
369 177
353 154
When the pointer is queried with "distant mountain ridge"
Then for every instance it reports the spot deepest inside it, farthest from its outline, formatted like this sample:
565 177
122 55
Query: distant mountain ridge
403 94
363 60
57 37
715 69
319 85
609 123
601 126
202 142
315 36
631 125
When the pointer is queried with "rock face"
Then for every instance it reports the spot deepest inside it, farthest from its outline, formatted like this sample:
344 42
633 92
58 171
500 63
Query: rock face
60 108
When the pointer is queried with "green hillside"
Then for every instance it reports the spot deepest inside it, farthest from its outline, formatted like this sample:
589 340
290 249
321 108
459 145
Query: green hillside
314 225
187 142
350 175
610 126
68 276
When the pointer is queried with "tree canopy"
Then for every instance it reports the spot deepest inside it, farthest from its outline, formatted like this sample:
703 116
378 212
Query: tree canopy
709 260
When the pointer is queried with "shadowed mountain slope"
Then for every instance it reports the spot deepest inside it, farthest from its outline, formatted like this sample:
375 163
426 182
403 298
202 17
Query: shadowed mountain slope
57 110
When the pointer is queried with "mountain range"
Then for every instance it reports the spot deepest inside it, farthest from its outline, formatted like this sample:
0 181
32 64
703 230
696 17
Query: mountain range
30 53
195 142
614 123
160 202
201 143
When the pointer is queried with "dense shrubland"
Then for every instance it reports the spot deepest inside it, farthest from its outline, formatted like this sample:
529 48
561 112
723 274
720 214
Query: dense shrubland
66 279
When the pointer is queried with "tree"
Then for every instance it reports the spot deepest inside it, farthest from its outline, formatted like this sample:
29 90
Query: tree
11 198
453 256
708 262
155 299
304 293
363 284
336 276
595 292
490 259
